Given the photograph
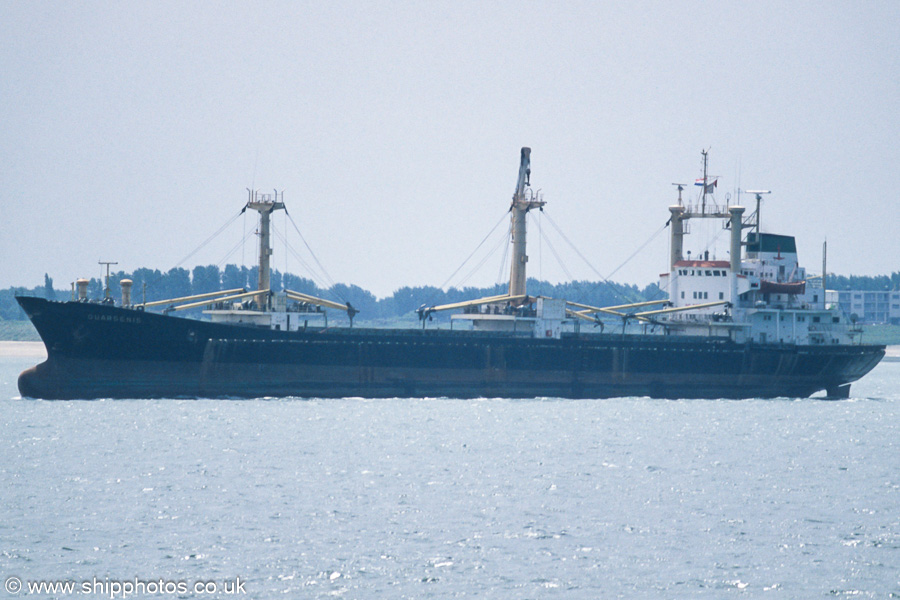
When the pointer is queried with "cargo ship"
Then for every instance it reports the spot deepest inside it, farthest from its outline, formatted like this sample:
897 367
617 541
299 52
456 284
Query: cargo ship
752 326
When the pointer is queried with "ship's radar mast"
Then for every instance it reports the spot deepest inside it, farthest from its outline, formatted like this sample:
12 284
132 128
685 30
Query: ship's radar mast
759 195
680 187
522 202
264 204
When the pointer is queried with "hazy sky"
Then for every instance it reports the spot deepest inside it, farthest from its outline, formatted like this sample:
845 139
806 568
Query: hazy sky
131 130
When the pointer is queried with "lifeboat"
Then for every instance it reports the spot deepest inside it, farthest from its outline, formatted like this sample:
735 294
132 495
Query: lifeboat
774 287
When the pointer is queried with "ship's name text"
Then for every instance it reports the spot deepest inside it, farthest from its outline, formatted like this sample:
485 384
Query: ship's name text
115 318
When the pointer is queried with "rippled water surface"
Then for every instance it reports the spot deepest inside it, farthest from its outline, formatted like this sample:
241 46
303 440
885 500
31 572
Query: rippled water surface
444 498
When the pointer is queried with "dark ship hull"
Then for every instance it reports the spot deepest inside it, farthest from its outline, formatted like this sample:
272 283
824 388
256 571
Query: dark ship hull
101 351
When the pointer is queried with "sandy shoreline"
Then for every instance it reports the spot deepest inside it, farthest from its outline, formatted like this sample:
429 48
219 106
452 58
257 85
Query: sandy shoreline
23 349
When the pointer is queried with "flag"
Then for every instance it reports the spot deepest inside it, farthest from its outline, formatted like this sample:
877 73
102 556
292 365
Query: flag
710 187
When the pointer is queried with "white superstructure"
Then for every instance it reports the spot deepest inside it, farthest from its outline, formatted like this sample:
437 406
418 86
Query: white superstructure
765 295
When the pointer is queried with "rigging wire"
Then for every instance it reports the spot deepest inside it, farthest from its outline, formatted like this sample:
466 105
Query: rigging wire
615 291
577 285
209 239
323 281
541 253
258 234
316 278
468 258
285 254
503 260
274 269
477 267
558 259
331 285
668 254
587 262
234 249
243 237
638 251
311 253
197 249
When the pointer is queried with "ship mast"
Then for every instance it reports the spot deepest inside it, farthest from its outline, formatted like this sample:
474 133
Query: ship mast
522 202
264 204
705 177
759 195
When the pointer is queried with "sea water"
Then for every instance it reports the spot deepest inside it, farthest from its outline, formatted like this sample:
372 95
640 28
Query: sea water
447 498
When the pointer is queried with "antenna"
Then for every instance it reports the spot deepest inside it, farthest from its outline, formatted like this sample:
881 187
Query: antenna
708 183
705 176
759 194
107 263
680 189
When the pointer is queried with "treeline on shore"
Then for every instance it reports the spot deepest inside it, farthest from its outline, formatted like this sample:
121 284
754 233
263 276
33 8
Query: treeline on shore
150 285
878 283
